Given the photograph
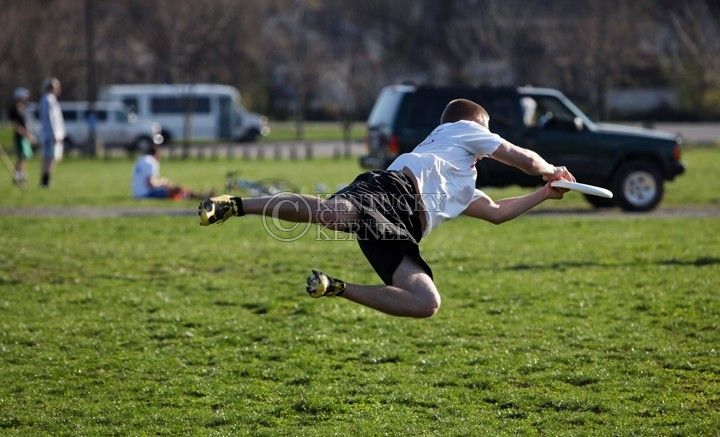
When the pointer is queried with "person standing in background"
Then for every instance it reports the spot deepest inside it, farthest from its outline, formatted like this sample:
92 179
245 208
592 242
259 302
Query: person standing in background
53 128
21 135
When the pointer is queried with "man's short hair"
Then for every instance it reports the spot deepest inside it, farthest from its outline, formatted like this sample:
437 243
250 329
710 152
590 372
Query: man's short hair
463 109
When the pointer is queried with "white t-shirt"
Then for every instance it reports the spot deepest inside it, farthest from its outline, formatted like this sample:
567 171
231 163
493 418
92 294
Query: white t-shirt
444 166
146 166
51 119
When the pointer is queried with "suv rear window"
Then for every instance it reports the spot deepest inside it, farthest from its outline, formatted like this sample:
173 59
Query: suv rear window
386 106
423 110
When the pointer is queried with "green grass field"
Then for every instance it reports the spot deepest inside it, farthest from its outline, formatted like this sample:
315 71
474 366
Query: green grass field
107 182
553 325
314 131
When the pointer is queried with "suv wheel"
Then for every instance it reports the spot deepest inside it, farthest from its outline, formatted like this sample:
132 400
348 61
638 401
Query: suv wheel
599 202
638 186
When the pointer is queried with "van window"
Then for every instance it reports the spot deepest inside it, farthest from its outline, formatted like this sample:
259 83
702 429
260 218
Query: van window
100 115
131 102
180 105
69 115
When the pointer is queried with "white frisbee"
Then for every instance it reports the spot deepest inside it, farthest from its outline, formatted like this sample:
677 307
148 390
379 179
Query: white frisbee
583 188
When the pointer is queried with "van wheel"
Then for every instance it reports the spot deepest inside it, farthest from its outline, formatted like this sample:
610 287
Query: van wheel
250 137
68 144
167 136
599 202
638 186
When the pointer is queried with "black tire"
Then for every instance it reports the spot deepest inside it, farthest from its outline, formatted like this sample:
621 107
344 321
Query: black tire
250 137
143 144
68 144
600 202
167 136
638 186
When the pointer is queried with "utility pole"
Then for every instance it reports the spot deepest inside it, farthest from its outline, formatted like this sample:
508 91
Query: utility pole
92 146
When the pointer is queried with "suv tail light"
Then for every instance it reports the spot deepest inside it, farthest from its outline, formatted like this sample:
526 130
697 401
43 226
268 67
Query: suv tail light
393 145
677 152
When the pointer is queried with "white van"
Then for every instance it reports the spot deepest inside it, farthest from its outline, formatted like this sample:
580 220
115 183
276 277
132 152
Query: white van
193 111
115 126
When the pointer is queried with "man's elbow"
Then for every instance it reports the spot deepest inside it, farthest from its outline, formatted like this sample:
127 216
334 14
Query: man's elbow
497 219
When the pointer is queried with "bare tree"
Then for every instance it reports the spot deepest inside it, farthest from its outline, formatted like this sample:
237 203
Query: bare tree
693 54
697 26
298 51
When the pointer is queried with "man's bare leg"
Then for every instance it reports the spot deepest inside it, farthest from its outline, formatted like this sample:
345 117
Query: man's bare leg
336 213
413 293
333 213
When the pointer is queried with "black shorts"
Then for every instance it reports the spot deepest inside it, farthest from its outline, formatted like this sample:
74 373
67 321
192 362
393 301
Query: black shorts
389 226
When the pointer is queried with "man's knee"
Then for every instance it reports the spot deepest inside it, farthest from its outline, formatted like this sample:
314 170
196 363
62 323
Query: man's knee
427 303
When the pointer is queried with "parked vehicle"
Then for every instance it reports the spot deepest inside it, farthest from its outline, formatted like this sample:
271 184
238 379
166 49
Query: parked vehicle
196 112
115 126
634 163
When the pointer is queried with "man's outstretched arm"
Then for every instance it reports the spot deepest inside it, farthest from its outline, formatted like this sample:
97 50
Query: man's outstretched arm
507 209
530 162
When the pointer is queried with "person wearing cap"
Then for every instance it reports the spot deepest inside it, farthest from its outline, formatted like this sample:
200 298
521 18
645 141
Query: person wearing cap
53 128
22 137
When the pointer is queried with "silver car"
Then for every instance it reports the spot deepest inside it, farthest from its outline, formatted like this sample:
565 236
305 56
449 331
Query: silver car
115 126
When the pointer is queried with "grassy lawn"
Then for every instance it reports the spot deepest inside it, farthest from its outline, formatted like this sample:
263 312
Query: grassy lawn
557 325
107 182
314 131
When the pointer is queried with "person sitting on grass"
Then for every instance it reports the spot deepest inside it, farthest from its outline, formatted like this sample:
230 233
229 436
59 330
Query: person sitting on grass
391 211
147 183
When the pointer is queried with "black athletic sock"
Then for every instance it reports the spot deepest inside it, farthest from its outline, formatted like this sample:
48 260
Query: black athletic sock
45 180
239 205
338 285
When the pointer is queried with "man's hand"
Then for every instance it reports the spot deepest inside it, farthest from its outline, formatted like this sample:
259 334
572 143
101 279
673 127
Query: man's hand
559 173
551 192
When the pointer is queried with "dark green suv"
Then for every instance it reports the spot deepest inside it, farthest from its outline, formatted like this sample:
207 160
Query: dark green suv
634 163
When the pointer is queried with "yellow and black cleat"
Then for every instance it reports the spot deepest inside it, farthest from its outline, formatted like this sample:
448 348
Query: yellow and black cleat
217 209
319 284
